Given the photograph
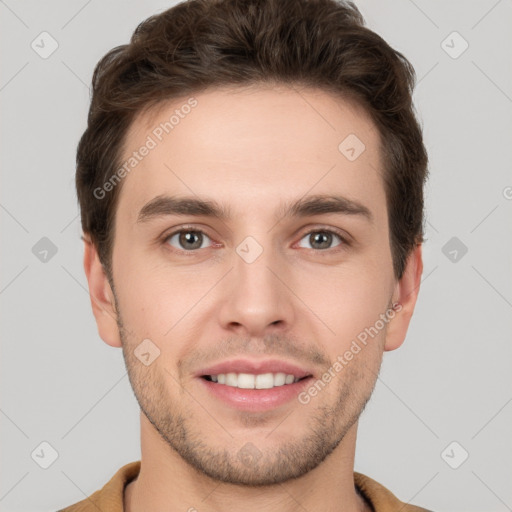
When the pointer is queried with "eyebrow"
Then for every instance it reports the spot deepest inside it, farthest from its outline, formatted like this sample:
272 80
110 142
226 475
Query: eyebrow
164 205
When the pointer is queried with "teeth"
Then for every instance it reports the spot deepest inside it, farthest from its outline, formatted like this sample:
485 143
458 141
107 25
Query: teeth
289 379
250 381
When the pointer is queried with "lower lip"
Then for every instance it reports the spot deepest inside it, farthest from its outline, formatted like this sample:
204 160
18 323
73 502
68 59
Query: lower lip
256 400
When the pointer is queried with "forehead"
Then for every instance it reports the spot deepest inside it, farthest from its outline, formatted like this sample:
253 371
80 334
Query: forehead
253 146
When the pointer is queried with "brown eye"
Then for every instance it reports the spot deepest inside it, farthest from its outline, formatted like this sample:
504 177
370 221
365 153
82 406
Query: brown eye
187 239
321 239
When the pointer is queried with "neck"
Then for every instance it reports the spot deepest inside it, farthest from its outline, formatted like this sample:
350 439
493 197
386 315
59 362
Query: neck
167 482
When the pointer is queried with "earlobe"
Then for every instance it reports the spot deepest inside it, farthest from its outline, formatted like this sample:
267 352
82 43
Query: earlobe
406 294
102 298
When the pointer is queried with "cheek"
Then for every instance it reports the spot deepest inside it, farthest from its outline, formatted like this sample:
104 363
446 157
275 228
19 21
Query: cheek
143 296
154 298
346 300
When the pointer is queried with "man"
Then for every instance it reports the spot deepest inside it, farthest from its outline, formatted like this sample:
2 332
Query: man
251 191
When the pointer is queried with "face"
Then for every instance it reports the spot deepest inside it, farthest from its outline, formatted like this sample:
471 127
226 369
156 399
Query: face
262 282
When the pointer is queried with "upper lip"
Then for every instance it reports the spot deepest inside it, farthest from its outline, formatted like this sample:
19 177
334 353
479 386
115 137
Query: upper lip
255 367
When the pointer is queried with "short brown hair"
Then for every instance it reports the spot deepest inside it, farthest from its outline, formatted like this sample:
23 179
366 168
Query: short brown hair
202 43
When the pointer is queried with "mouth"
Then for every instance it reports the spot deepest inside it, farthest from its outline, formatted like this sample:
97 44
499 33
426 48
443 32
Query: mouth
255 393
254 385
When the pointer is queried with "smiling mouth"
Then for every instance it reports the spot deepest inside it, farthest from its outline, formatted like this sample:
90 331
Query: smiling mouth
252 381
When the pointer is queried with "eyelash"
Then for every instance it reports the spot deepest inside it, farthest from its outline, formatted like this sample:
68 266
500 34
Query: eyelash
184 229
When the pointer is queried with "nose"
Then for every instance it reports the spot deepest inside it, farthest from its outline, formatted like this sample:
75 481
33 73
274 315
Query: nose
257 298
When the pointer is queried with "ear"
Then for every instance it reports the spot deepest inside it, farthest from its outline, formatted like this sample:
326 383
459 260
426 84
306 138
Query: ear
405 295
102 298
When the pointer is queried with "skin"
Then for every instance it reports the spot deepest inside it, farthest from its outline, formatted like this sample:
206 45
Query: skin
250 149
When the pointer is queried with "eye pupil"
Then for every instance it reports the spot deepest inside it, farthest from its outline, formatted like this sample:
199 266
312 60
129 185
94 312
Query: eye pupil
319 236
188 236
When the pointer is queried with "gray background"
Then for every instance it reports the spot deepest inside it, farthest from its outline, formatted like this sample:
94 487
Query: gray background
450 381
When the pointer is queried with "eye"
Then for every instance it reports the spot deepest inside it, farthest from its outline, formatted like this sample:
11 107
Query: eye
187 239
322 239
